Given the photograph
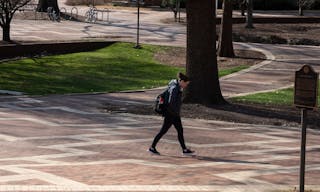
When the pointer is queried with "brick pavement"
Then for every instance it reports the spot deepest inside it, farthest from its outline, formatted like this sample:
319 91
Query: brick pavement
65 144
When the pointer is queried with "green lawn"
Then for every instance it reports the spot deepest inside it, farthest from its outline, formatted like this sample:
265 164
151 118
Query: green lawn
280 97
114 68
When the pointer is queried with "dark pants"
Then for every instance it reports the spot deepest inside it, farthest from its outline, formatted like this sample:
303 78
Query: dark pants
167 123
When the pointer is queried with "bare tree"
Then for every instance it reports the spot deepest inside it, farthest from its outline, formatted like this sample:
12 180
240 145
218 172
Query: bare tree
225 47
304 4
7 10
201 54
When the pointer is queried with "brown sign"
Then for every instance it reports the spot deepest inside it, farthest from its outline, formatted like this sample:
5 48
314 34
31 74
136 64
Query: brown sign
306 88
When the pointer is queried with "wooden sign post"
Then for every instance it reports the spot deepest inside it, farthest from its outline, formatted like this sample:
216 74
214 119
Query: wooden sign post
305 97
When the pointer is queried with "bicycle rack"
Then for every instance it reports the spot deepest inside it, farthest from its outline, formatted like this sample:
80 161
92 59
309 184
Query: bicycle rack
71 13
102 11
63 10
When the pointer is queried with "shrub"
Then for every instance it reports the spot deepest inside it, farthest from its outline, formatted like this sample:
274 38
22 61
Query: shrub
167 3
274 4
87 2
272 39
304 41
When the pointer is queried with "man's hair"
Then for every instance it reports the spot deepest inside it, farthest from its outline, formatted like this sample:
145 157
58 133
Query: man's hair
183 77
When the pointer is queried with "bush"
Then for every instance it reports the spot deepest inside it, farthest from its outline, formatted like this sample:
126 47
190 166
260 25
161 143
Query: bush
274 4
303 41
167 3
272 39
87 2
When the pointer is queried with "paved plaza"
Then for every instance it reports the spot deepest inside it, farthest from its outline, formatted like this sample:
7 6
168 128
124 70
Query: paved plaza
63 143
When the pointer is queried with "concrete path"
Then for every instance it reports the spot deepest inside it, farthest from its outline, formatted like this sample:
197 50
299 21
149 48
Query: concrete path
277 72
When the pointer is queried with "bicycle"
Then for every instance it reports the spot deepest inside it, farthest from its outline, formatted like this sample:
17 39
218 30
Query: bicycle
91 15
53 16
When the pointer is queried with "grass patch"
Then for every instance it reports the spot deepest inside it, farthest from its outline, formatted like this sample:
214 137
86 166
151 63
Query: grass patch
114 68
282 97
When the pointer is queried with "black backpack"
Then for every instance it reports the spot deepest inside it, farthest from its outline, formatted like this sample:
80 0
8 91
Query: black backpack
161 102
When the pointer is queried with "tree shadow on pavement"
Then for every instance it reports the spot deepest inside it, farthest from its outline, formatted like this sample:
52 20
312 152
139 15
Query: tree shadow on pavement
206 158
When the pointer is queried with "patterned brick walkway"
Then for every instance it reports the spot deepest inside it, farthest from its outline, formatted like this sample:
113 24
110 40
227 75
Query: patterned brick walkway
68 144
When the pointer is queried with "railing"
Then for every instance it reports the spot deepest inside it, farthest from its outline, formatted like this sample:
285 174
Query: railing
63 10
71 12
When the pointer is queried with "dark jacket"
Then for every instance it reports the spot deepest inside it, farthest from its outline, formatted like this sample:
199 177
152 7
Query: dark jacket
174 101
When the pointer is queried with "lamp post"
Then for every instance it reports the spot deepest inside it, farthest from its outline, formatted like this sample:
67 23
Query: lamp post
137 46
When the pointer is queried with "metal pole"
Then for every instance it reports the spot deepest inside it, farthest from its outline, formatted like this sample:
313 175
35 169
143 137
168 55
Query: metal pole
138 25
303 147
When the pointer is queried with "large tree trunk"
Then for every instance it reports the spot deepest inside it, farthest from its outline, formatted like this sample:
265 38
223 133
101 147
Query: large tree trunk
225 47
201 54
6 32
44 4
249 14
300 10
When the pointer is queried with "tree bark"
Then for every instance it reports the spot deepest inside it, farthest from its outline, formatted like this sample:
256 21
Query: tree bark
225 47
300 10
44 4
6 32
249 18
201 64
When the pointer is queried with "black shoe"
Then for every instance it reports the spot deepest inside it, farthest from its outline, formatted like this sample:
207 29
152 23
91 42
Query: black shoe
187 152
154 151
